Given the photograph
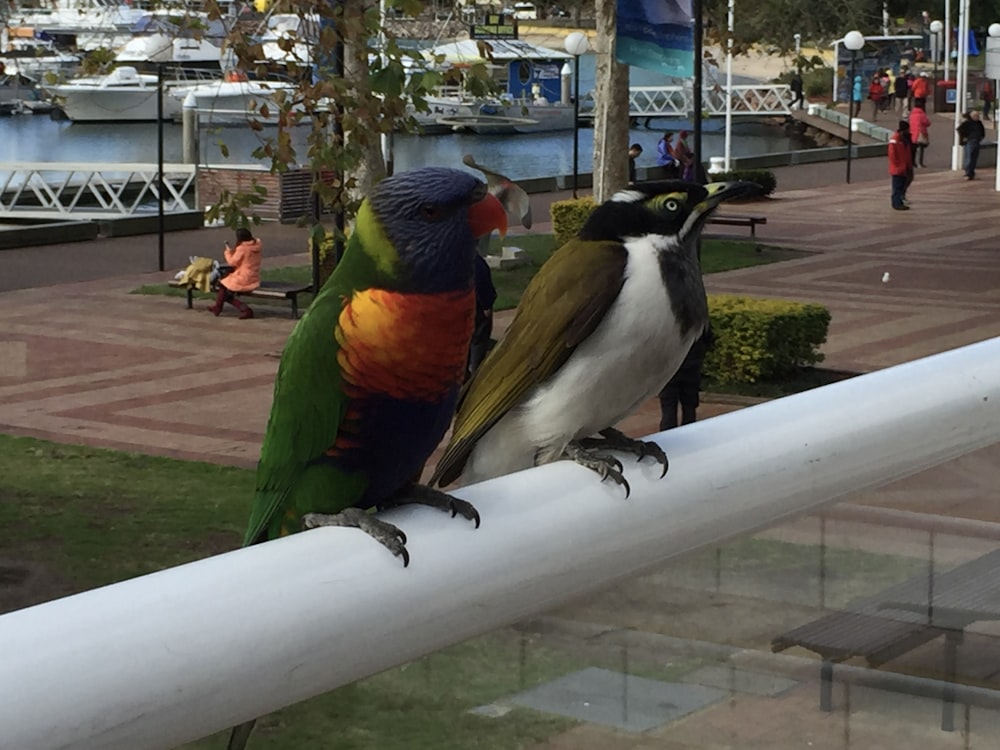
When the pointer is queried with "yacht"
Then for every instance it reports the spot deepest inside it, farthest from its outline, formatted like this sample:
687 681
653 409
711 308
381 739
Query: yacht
123 95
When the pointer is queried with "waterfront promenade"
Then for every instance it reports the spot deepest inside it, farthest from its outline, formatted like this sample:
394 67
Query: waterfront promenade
83 360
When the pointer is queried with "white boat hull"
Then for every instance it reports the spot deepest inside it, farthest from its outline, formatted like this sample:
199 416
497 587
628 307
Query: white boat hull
121 96
233 102
492 117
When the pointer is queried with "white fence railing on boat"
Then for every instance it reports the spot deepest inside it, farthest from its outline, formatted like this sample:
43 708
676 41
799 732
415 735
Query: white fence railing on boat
96 191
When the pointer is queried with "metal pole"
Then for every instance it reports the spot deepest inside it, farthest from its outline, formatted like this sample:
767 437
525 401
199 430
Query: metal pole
850 114
159 165
961 68
947 37
699 31
576 122
729 85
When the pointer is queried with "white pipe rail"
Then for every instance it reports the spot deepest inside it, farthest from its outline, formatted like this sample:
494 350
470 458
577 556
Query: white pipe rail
170 657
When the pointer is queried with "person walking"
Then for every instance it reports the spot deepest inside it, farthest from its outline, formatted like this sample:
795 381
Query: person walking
796 86
919 124
855 105
988 98
900 165
971 134
875 92
901 87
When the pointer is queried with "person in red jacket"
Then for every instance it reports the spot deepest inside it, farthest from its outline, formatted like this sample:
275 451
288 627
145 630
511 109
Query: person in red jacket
875 92
900 164
921 87
244 276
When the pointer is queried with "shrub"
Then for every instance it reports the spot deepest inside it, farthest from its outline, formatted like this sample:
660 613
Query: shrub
763 338
763 177
569 216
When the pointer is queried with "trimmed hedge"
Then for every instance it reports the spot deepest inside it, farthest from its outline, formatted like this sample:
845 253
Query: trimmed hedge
757 339
763 177
568 217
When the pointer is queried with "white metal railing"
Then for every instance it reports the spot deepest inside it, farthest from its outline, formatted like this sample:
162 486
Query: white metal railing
166 658
87 190
678 101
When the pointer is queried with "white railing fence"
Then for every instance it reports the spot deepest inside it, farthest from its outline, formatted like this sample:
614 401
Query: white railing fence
678 101
166 658
93 191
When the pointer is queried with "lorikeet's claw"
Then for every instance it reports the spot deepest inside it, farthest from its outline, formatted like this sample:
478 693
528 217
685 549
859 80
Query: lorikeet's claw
618 441
389 536
605 465
421 494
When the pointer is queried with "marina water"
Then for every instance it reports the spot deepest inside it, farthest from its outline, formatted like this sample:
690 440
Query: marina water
38 139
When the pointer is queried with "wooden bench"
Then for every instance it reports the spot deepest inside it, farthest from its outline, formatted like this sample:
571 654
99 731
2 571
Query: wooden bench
901 618
739 221
267 290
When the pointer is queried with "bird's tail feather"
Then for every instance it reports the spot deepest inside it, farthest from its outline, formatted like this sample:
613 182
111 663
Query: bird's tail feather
240 735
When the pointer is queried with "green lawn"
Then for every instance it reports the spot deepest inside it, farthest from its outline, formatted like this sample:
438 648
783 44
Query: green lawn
82 517
716 255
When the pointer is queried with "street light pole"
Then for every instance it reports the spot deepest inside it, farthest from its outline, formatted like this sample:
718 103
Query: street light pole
576 44
853 41
993 72
936 27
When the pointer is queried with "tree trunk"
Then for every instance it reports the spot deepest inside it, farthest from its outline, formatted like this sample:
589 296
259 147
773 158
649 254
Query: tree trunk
372 168
611 117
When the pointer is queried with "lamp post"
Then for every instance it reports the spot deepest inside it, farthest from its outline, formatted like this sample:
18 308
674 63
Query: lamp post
993 72
961 78
576 44
936 28
853 40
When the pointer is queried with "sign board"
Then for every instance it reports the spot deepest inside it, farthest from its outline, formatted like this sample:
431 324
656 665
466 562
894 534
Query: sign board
993 57
496 26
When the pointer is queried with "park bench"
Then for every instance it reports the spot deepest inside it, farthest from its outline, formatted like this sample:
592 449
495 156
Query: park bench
739 221
280 290
901 618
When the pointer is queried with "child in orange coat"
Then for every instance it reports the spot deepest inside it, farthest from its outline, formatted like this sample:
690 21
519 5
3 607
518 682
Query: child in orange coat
245 275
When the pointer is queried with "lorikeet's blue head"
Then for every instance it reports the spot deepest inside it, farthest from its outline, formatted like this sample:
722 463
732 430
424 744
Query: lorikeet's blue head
429 220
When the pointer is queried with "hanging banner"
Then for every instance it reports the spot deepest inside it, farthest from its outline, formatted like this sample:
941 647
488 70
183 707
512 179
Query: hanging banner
656 35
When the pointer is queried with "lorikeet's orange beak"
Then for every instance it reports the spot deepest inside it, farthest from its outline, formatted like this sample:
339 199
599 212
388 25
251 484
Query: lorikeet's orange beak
487 215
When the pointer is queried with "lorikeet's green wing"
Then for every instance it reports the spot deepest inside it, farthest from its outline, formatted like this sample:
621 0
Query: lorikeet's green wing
550 323
307 412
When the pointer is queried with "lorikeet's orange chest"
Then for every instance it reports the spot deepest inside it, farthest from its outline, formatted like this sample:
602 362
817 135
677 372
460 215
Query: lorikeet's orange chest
411 347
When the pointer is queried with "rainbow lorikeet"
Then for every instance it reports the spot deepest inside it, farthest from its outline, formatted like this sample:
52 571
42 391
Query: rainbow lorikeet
369 377
602 327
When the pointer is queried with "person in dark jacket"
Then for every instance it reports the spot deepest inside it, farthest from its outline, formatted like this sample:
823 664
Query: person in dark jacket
482 332
685 386
971 134
634 151
796 86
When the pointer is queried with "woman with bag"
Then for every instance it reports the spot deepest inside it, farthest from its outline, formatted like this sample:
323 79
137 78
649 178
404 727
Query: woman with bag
919 123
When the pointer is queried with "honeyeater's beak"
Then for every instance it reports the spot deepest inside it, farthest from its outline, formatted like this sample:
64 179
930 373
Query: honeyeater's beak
486 215
719 193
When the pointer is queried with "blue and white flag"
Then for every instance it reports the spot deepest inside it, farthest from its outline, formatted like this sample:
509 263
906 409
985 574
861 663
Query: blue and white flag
656 35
